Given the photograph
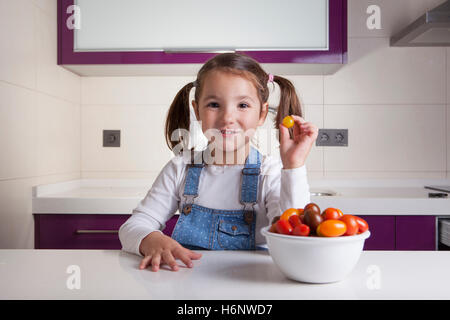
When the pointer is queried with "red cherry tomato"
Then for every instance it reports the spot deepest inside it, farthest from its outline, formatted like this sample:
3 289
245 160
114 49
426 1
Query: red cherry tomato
363 226
284 227
352 224
332 228
294 220
340 212
331 213
289 212
301 230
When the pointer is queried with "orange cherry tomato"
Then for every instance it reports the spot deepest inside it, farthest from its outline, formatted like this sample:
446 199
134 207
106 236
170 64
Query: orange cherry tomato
331 213
294 220
363 226
289 212
284 227
301 230
288 122
352 225
332 228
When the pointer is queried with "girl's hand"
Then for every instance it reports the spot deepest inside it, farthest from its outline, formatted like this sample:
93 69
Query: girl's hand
158 248
293 152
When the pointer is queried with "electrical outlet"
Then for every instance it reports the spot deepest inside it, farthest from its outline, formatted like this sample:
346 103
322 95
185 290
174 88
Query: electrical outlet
111 138
332 138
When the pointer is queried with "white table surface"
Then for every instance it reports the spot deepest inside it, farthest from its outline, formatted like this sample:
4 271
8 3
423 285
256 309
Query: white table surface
114 274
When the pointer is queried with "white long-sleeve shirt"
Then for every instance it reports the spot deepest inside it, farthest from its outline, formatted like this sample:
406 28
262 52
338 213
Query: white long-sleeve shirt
219 188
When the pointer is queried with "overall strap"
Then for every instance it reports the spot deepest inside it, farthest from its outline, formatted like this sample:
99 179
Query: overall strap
192 178
250 177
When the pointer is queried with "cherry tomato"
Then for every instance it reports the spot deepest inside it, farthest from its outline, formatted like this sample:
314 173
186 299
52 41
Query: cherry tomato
340 212
273 228
288 213
331 213
288 122
363 226
352 225
301 230
302 218
332 228
284 227
294 220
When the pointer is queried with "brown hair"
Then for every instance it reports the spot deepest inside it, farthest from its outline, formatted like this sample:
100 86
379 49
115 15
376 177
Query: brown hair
178 116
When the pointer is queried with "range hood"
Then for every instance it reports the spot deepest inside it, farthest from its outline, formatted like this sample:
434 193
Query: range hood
430 30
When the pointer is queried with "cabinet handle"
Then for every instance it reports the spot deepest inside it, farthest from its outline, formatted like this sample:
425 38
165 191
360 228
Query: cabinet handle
80 231
192 50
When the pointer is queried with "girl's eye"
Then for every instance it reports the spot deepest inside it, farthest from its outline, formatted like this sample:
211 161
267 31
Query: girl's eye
243 105
213 104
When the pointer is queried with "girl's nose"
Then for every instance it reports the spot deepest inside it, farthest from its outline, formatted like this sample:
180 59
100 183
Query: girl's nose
228 115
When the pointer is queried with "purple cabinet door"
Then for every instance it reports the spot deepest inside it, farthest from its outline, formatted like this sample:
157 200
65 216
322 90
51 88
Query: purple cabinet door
82 231
382 233
336 53
78 231
415 233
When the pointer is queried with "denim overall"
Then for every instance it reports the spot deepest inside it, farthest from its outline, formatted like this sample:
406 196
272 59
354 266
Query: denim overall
204 228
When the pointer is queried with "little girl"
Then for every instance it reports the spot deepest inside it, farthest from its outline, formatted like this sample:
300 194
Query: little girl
222 204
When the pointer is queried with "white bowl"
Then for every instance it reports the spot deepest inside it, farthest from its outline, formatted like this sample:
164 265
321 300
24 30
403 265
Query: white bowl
315 259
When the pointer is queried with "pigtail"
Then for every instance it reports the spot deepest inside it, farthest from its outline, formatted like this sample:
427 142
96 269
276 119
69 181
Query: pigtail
289 101
178 116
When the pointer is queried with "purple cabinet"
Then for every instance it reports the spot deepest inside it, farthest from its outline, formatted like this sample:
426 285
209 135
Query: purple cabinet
401 232
336 53
82 231
415 233
382 233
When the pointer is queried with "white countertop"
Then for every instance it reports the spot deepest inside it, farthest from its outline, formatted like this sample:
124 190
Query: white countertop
242 275
359 197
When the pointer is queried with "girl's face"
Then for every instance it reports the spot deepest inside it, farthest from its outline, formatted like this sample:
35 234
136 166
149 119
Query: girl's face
229 109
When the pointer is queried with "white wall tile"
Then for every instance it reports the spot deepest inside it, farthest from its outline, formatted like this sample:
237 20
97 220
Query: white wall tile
379 74
143 146
309 90
395 15
18 43
52 78
18 113
57 136
131 90
388 138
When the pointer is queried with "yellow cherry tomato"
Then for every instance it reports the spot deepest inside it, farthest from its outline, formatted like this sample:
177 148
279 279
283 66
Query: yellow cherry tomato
332 228
289 212
288 122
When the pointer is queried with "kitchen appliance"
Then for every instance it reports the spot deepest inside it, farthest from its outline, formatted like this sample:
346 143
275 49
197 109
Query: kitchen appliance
439 188
444 234
432 29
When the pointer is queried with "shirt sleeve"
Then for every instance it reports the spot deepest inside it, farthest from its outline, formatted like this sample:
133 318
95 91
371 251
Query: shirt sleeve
152 213
288 188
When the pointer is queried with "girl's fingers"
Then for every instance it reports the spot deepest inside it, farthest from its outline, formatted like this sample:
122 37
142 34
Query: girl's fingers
156 260
145 262
194 255
170 260
183 256
284 134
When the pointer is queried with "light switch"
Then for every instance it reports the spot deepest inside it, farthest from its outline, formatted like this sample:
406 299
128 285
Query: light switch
111 138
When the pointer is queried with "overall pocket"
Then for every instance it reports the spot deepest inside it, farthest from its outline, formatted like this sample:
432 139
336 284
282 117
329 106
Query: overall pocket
234 235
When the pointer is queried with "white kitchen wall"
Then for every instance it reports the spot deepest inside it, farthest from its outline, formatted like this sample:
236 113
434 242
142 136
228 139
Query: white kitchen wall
39 115
393 101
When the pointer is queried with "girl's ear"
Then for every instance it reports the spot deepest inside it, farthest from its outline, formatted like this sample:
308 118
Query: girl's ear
195 107
264 111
